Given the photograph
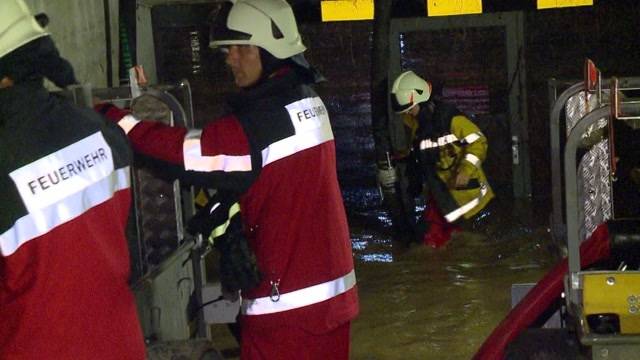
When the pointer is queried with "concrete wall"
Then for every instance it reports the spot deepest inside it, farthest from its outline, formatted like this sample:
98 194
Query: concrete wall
78 27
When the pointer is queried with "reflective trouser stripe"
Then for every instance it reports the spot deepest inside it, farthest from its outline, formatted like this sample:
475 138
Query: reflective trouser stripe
455 214
299 298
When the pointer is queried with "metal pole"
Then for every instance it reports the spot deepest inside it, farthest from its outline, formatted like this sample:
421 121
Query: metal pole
558 230
571 194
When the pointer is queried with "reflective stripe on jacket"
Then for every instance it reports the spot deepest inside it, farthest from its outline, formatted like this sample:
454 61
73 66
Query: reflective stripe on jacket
277 150
466 155
457 145
64 260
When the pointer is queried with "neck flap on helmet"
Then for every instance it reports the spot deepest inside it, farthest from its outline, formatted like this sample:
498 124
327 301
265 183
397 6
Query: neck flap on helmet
38 58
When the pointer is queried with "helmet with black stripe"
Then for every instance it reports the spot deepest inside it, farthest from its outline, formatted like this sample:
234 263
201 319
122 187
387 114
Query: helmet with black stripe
268 24
408 90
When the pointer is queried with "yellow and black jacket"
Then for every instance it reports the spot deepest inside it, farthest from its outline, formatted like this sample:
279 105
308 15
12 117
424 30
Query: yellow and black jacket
447 143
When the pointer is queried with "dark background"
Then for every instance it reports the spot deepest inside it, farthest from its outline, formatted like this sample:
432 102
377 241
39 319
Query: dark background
557 41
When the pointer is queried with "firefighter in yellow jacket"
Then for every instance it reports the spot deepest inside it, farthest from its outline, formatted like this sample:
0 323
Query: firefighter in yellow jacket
449 150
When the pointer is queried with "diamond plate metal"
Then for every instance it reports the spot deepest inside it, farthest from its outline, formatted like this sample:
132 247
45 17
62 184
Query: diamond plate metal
594 184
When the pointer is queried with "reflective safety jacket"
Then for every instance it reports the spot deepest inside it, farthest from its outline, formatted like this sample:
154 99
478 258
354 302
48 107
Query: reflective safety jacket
64 260
449 143
277 150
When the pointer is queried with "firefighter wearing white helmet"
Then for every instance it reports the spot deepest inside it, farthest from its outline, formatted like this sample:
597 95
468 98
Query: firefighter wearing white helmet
273 154
449 150
269 25
64 263
408 90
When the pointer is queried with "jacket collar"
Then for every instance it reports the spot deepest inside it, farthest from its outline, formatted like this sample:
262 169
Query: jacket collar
26 97
277 83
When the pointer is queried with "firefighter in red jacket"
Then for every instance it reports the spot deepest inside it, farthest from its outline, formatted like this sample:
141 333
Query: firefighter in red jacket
449 150
277 150
64 180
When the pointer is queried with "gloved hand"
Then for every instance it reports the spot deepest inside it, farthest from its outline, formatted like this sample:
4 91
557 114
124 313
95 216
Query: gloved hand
461 180
461 176
238 267
387 176
207 218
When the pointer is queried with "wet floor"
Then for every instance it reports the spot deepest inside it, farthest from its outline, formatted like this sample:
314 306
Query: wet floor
422 303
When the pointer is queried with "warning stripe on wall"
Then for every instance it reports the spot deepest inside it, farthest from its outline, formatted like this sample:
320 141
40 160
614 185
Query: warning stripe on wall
350 10
346 10
548 4
456 7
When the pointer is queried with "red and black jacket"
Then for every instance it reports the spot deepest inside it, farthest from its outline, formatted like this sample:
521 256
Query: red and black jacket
64 261
277 150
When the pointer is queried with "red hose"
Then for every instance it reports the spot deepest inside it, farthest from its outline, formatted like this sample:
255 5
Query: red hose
541 296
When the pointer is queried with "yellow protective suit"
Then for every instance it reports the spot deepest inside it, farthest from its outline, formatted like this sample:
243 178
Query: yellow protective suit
462 149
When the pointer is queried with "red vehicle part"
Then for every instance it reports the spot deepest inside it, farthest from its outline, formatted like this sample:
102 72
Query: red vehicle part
541 296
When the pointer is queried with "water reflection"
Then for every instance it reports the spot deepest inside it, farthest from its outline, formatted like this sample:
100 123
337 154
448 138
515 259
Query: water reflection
376 258
421 303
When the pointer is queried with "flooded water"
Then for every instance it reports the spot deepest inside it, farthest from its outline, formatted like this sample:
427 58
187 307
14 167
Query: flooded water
423 303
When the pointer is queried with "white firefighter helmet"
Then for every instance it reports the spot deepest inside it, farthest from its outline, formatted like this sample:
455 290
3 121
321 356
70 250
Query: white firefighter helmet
409 90
17 26
269 24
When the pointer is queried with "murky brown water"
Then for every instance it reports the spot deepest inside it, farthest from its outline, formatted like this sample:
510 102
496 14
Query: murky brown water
421 303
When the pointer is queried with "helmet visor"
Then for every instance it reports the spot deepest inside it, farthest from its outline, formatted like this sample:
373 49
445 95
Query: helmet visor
219 32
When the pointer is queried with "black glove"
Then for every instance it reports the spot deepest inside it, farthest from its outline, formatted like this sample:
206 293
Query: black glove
387 176
219 221
238 265
213 214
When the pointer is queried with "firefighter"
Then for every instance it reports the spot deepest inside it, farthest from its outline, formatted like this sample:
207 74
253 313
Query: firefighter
449 150
276 149
64 180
